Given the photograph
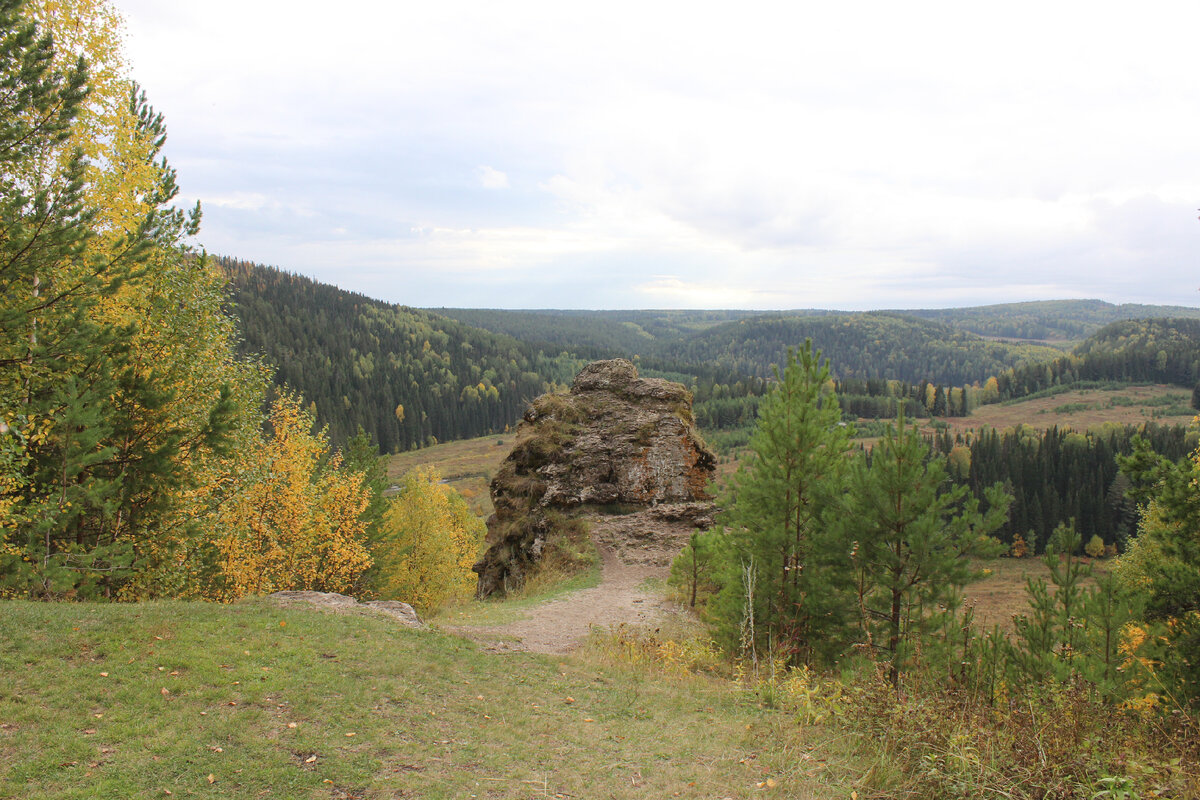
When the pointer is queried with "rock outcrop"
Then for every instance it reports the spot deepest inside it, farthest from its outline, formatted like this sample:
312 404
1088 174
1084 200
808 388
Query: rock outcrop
333 601
616 445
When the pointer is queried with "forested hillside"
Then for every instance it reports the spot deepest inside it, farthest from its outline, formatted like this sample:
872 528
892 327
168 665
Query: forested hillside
1051 320
895 345
408 377
861 345
458 373
1150 350
647 332
599 333
874 345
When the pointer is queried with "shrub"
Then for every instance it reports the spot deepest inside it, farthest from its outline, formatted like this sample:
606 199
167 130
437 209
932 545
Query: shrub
429 540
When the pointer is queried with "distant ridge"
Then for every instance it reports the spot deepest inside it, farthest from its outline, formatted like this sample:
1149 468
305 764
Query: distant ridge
1047 320
411 376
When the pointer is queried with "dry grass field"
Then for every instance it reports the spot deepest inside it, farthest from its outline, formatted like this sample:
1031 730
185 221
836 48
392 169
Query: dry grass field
467 465
1001 594
1083 409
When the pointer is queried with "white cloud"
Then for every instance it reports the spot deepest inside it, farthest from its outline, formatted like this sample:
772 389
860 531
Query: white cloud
242 201
670 291
491 178
854 155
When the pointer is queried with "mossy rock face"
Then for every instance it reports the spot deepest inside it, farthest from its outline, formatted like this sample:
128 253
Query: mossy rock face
614 440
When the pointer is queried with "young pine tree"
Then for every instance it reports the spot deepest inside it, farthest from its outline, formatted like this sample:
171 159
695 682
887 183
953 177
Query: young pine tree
913 534
692 570
773 525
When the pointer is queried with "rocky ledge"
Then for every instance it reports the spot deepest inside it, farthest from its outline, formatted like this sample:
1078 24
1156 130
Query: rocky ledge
613 447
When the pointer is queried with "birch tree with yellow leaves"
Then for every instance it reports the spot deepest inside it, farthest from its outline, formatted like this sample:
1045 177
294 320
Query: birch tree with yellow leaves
428 542
297 523
130 433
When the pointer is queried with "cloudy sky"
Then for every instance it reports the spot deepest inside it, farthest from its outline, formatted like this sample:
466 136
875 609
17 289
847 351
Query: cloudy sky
688 155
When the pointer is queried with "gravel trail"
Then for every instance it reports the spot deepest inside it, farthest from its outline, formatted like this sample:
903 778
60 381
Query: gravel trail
559 626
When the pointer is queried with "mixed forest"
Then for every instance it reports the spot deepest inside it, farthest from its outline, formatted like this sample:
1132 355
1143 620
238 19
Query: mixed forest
177 425
389 370
141 455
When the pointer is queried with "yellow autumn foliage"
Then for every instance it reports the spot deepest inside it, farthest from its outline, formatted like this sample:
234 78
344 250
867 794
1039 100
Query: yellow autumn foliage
296 523
428 543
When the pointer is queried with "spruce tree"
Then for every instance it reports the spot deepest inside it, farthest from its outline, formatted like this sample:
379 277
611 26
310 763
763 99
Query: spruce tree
98 446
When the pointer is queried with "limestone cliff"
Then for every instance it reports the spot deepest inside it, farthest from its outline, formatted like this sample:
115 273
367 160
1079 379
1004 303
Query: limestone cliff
616 444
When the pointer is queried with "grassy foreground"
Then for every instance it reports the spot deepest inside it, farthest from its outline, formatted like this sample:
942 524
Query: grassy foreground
253 700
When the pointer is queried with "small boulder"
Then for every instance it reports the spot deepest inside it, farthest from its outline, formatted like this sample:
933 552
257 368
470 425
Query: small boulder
343 604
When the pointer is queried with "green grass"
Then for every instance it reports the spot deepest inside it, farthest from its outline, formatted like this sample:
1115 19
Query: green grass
298 703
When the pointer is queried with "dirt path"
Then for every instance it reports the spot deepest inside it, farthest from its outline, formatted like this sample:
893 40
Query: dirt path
559 626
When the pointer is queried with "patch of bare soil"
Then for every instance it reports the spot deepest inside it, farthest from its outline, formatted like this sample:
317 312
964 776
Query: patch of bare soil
634 548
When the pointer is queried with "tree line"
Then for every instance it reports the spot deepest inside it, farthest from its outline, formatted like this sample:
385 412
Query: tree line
1059 476
1054 320
1131 351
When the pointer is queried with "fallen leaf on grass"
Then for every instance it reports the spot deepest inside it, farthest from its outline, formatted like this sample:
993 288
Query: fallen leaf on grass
310 759
164 691
88 731
568 700
291 724
212 778
103 674
351 733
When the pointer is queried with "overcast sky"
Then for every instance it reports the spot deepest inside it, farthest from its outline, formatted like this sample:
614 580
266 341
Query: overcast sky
686 155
